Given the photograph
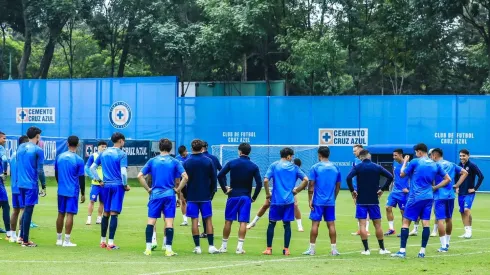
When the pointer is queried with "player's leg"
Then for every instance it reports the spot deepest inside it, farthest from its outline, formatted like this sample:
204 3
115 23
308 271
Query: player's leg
183 208
6 217
361 216
391 219
93 200
231 213
261 213
410 214
152 209
244 207
116 209
313 236
375 213
425 217
13 222
71 211
440 212
60 220
287 218
415 230
169 210
21 219
207 214
465 207
193 213
31 197
297 215
104 225
449 221
275 214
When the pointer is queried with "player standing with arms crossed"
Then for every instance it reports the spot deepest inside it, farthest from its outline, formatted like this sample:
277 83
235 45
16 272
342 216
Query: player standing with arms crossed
323 189
242 173
422 172
399 194
30 160
284 175
114 162
367 197
95 188
70 175
165 171
467 190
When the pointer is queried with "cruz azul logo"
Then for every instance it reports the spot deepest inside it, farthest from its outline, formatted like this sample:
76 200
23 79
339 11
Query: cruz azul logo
343 136
120 115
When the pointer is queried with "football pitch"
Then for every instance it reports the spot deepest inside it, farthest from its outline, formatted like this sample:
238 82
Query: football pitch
464 256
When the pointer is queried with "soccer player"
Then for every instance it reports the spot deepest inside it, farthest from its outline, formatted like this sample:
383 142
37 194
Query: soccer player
467 190
422 172
182 157
114 162
217 167
70 175
323 189
4 199
95 188
355 151
444 198
367 197
200 189
165 171
30 160
17 203
242 173
399 193
284 175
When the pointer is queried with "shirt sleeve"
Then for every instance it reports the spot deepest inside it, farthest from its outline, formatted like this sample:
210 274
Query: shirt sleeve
270 172
81 168
440 171
313 174
258 183
179 168
97 161
40 167
89 163
477 172
339 175
222 176
300 174
350 176
147 168
457 169
124 160
410 168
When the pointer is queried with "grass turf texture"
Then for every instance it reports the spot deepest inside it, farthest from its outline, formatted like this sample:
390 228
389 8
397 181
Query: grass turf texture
465 256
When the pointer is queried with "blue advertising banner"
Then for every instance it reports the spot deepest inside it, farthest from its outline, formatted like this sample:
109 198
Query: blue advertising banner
138 151
52 147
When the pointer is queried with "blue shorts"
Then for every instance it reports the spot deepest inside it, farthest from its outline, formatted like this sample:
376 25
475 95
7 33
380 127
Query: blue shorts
443 209
194 207
238 208
283 213
113 196
165 205
362 212
397 200
319 211
418 209
465 202
17 201
67 204
96 191
29 197
3 192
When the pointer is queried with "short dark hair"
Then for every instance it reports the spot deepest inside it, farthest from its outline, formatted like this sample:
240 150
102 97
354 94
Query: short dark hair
286 152
245 148
117 137
73 141
421 147
324 151
197 145
464 151
358 145
363 153
182 149
165 145
2 133
102 142
32 132
23 139
205 144
437 150
399 151
297 162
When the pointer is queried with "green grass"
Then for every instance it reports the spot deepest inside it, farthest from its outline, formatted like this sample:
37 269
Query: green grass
465 256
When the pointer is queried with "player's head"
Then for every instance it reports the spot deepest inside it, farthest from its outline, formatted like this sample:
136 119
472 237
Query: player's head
464 155
204 146
165 145
436 154
34 134
197 146
420 150
73 141
287 153
297 162
323 152
23 139
363 154
101 146
118 139
398 155
244 149
3 138
356 149
182 151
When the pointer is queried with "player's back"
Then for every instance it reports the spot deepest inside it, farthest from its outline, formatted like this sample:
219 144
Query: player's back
446 192
202 177
400 183
284 175
242 172
111 160
13 173
423 173
29 160
326 175
69 167
164 171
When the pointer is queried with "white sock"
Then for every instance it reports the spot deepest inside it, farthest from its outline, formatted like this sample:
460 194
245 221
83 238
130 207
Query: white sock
256 219
102 240
443 241
333 246
89 218
168 247
422 250
240 244
225 243
312 246
164 240
435 228
448 238
402 250
148 246
13 235
99 217
154 238
58 236
470 229
184 217
391 224
416 227
367 226
67 238
9 234
111 242
466 230
300 225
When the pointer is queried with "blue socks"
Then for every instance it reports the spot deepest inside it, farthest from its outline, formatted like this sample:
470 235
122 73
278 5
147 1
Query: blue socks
103 226
211 239
113 227
404 238
270 233
287 234
196 240
169 233
149 232
425 236
26 222
365 244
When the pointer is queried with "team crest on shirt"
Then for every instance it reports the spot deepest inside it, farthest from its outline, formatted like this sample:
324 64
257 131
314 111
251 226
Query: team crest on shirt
120 115
467 168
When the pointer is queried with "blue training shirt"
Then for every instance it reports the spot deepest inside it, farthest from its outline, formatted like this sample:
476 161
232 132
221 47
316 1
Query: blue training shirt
447 192
70 167
400 183
422 173
112 160
181 158
164 170
325 175
30 160
13 174
284 174
3 160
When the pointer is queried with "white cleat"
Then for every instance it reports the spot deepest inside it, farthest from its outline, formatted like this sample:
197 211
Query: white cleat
465 236
69 244
413 233
250 225
213 250
99 220
300 229
197 250
184 224
12 240
88 222
335 253
384 252
240 251
433 234
59 242
309 252
223 250
367 252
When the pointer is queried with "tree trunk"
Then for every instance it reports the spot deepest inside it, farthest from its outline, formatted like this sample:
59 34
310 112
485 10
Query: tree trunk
26 53
245 68
126 45
49 52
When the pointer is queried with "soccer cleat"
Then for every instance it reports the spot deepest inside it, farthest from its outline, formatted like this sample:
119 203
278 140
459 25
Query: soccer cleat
356 233
69 244
399 254
103 245
59 242
213 250
20 240
250 225
184 224
88 222
447 246
300 229
223 250
367 252
384 252
170 253
286 252
433 234
421 255
442 250
29 244
147 252
268 251
240 251
2 230
197 250
203 236
309 252
112 247
390 232
335 253
99 220
413 233
13 240
154 246
33 225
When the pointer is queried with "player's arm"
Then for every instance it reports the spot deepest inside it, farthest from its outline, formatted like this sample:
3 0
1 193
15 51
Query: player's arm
442 173
462 174
301 175
90 161
388 176
349 178
477 171
267 177
124 170
407 167
258 184
141 175
222 177
93 169
81 180
5 162
212 176
337 185
40 168
183 177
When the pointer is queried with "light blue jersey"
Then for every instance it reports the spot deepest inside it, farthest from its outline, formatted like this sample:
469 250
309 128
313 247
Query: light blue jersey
326 176
30 160
69 167
400 183
3 160
422 173
13 174
164 170
284 175
447 192
112 160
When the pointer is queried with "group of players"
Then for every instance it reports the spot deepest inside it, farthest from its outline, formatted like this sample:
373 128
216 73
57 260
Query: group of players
418 185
